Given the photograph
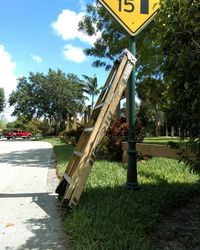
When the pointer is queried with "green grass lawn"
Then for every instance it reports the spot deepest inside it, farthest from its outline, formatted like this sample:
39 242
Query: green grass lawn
164 140
111 217
62 153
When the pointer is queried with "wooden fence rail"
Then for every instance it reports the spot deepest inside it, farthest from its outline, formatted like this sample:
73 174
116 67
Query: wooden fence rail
157 150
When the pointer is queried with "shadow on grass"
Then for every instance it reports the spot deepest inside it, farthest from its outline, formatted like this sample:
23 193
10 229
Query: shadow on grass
63 152
153 176
117 218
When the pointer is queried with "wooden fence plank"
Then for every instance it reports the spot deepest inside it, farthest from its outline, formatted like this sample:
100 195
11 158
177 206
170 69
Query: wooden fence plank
157 150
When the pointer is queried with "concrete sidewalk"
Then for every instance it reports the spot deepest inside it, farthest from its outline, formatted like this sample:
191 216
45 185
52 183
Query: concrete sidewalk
30 216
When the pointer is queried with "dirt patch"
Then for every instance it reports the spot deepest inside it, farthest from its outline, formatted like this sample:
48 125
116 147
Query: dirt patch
179 229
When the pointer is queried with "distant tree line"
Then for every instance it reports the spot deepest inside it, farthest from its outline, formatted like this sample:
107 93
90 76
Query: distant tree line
48 102
54 97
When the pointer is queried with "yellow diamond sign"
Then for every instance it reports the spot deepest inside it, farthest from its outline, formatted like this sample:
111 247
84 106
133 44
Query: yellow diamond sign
133 15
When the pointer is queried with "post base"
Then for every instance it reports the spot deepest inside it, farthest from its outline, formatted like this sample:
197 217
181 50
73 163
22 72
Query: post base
132 185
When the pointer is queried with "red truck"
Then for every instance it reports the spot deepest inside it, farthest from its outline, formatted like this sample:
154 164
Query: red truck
17 134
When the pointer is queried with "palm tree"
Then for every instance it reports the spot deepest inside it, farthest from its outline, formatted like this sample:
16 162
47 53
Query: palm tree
91 87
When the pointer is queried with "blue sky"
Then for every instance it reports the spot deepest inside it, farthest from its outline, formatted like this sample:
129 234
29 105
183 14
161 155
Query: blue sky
36 35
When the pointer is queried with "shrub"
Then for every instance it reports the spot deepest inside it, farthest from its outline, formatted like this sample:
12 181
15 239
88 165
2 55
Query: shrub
110 147
194 164
71 136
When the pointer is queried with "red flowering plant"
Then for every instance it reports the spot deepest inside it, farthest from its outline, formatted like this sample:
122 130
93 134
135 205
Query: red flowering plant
117 133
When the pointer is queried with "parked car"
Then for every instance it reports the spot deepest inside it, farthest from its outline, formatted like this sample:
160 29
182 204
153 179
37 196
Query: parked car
17 134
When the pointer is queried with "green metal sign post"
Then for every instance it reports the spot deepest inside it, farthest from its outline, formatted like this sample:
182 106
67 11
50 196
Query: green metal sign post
132 182
133 16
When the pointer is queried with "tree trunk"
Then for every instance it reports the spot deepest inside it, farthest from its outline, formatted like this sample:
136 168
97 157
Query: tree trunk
172 131
166 128
92 101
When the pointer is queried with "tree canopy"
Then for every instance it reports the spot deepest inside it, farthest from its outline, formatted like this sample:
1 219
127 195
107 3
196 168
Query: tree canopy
91 87
55 96
180 44
114 39
168 51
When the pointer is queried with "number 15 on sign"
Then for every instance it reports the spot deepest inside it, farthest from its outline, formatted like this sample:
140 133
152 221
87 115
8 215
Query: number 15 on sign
128 6
133 15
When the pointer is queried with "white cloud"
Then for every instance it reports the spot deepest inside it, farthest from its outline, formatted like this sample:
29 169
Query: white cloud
74 54
66 26
36 58
82 4
7 77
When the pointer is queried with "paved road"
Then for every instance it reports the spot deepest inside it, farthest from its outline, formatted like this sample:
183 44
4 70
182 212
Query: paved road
29 211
